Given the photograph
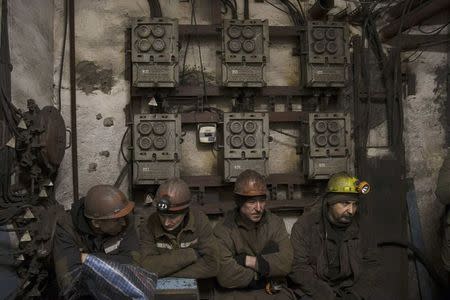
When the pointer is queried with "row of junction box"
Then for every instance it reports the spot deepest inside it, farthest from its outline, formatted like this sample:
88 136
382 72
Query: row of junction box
157 139
324 53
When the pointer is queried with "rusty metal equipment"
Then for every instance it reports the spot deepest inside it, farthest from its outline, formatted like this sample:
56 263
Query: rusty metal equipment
325 55
330 148
245 52
27 204
246 144
157 149
154 52
244 55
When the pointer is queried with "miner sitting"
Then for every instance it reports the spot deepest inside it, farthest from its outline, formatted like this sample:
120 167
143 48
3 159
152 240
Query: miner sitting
255 251
177 240
332 257
100 225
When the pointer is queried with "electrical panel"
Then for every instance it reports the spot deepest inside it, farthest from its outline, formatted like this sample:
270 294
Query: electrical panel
325 54
157 149
154 52
245 50
330 148
246 144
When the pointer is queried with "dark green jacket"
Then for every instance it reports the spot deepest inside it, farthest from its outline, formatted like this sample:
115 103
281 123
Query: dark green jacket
358 261
191 254
237 236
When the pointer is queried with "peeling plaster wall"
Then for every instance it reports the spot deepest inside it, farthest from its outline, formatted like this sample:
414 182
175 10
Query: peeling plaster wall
31 46
424 138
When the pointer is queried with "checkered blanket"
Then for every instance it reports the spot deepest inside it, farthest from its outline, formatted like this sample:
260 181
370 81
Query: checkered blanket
111 280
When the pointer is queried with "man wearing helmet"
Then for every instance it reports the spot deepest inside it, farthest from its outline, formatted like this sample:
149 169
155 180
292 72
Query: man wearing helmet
98 224
177 240
331 256
255 251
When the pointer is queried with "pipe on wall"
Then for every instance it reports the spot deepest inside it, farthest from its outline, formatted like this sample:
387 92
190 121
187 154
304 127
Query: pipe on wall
73 99
320 8
414 17
397 10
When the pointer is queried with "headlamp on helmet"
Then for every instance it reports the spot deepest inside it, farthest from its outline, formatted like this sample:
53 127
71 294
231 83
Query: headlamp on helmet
363 187
344 183
163 205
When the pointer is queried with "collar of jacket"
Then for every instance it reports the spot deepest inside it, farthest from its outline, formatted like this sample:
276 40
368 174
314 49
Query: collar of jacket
190 226
247 224
79 220
351 233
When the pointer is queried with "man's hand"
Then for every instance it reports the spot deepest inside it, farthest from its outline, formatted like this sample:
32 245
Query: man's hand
250 262
83 257
240 259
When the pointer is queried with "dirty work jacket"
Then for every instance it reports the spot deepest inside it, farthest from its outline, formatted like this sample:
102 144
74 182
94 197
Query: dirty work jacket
190 254
310 266
239 236
74 236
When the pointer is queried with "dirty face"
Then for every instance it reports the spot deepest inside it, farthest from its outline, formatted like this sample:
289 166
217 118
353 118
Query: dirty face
171 222
111 227
253 209
343 212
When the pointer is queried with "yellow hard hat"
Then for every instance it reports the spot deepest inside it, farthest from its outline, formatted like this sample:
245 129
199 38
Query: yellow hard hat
344 183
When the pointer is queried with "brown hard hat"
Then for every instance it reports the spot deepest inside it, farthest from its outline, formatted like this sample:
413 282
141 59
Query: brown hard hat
106 202
250 183
173 195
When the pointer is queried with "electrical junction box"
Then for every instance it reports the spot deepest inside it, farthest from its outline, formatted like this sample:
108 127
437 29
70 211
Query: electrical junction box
156 147
207 133
325 54
330 148
245 52
246 144
154 52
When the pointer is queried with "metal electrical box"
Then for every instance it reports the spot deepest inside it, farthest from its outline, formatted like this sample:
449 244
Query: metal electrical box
157 149
245 52
330 148
154 47
325 54
246 144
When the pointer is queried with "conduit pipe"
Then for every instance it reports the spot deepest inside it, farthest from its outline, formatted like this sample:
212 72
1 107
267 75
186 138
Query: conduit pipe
73 99
414 17
320 9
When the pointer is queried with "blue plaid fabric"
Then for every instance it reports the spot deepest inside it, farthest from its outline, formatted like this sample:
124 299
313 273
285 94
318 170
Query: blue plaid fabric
111 280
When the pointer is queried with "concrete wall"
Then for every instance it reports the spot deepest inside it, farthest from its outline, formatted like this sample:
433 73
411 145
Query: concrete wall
31 46
424 136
